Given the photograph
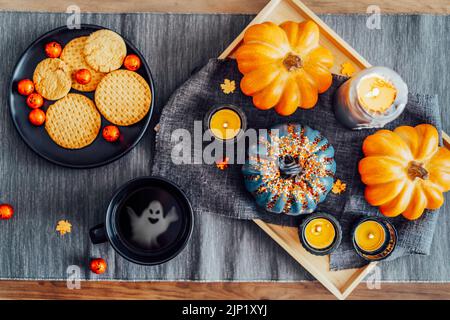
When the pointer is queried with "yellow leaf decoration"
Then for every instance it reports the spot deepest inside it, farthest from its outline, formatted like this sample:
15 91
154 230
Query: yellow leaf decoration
228 86
223 164
338 187
347 69
63 227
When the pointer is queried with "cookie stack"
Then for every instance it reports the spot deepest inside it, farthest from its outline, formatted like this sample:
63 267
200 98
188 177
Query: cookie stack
122 96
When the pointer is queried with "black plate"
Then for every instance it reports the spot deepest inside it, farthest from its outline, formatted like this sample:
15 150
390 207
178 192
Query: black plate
100 152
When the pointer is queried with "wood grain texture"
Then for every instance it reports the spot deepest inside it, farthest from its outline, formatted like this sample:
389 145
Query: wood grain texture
229 6
214 291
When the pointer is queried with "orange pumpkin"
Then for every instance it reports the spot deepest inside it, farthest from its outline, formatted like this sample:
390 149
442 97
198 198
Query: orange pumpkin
405 170
284 66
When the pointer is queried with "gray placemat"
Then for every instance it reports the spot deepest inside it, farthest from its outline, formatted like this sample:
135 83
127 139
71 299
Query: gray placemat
174 45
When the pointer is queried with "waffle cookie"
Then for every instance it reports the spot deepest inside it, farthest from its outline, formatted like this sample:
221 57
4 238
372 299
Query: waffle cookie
123 97
104 51
52 79
72 55
73 122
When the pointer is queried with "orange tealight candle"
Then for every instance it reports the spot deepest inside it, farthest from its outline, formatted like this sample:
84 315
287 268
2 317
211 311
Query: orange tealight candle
371 98
320 234
226 122
376 94
370 235
374 238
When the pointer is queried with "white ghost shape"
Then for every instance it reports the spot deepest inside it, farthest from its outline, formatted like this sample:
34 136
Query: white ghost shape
147 227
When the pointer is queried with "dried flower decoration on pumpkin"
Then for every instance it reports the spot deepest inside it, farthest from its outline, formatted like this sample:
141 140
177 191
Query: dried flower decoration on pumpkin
63 227
347 69
222 164
338 187
228 86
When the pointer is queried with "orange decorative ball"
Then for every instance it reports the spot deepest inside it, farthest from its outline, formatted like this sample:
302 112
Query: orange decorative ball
25 87
132 62
6 211
37 117
111 133
98 265
83 76
35 101
53 49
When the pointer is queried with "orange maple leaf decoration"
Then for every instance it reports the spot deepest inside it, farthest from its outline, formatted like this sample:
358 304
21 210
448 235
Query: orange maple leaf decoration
338 187
347 69
222 164
63 227
228 86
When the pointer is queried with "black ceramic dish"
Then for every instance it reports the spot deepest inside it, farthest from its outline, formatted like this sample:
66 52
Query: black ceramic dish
100 152
110 231
337 238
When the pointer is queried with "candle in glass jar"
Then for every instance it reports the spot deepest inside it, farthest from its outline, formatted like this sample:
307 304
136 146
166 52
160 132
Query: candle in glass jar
374 238
226 122
320 234
370 99
370 235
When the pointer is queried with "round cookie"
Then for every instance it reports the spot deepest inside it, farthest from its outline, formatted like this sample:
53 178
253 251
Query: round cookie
73 122
105 51
72 55
123 97
52 79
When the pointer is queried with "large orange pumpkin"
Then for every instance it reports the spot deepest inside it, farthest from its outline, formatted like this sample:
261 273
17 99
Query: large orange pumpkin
284 66
405 170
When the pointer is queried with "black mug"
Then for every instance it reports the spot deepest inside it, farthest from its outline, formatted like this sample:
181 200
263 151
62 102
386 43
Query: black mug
149 221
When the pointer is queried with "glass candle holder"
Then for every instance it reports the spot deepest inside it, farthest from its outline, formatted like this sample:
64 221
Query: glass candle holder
226 122
370 99
320 234
374 239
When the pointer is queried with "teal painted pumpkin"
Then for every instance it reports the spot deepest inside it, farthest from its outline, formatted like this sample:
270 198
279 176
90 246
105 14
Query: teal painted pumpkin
290 170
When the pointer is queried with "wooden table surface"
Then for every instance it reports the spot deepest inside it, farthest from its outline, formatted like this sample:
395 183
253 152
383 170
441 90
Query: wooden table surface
218 290
228 6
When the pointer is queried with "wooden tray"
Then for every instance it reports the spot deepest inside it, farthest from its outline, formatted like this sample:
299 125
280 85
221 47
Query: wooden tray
340 283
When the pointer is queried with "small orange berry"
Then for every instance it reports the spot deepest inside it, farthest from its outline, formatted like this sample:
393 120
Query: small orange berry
6 211
53 49
25 87
132 62
37 117
35 101
83 76
111 133
98 265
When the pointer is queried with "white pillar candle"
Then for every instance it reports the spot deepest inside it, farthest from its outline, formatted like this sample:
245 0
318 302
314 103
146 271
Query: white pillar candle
371 98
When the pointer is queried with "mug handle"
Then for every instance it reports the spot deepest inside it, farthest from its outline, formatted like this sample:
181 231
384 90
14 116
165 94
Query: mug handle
98 234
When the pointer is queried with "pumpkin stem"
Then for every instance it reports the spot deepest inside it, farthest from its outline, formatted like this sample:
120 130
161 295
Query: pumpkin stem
292 62
289 166
416 170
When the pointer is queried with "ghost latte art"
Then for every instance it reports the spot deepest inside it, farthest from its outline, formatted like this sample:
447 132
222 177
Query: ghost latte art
150 219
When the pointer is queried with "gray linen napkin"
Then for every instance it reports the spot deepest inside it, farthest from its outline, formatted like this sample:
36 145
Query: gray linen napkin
219 192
